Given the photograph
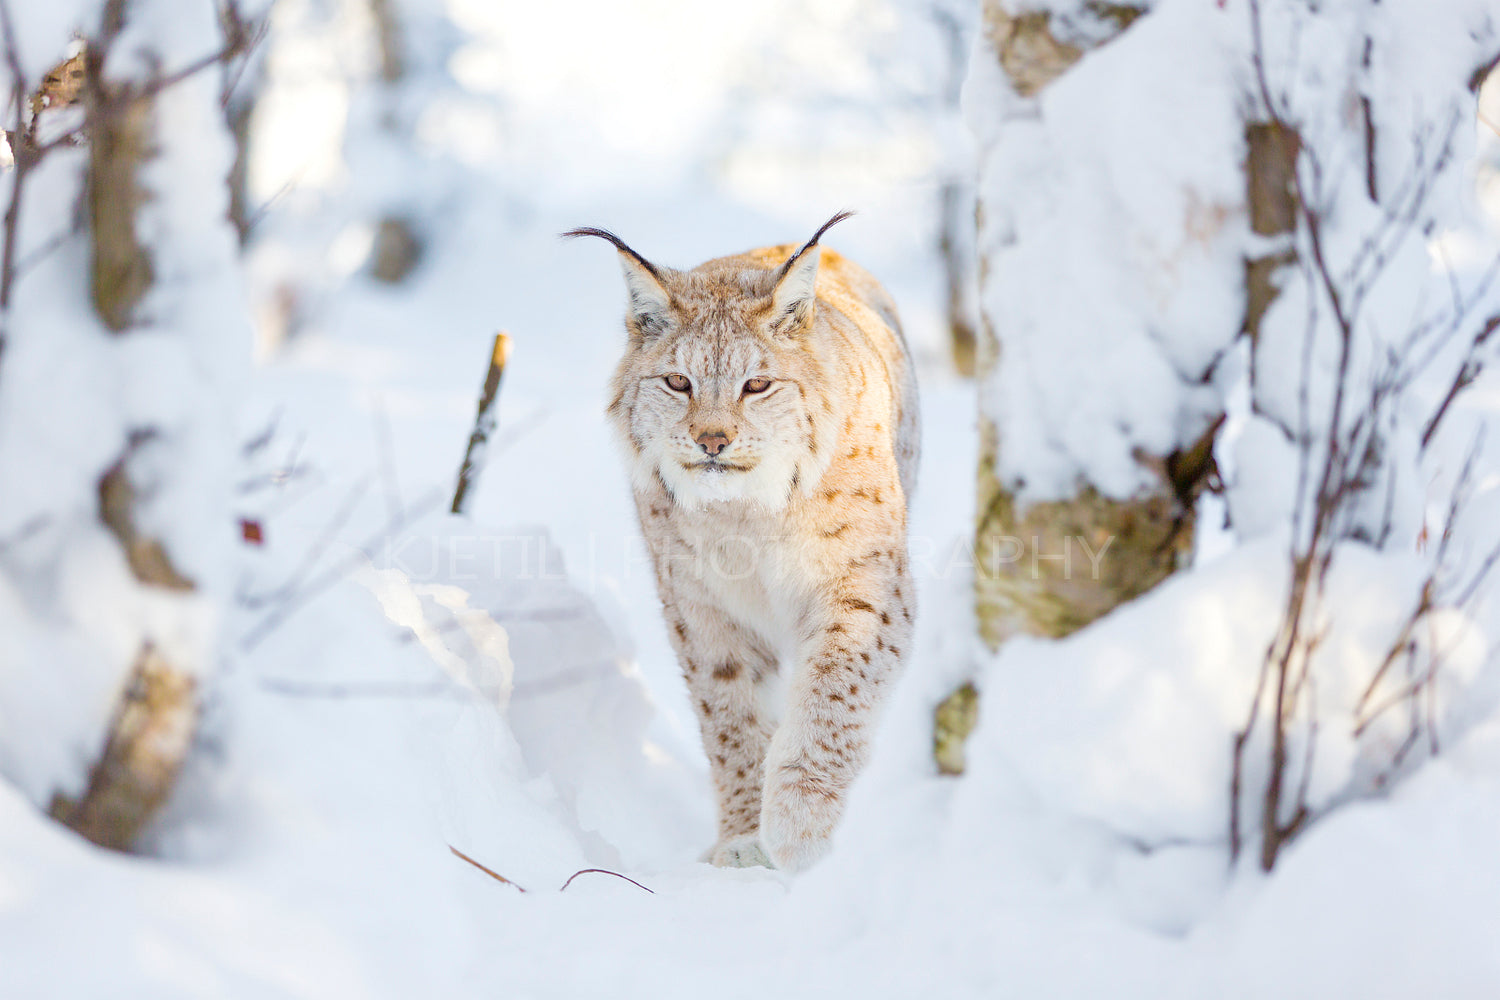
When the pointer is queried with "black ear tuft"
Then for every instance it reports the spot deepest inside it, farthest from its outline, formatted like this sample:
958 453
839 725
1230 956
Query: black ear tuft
790 261
650 303
795 295
620 245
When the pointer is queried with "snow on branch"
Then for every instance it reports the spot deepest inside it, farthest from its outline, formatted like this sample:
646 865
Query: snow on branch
1357 412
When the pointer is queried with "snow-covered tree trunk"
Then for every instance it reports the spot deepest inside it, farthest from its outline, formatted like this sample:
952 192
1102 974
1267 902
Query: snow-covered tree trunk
1098 411
127 337
1251 207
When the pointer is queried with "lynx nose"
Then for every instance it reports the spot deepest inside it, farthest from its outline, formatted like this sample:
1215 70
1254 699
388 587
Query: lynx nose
713 442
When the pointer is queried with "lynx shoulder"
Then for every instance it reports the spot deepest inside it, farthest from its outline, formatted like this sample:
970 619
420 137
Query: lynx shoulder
767 409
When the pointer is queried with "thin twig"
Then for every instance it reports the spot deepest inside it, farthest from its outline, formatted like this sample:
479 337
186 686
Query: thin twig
296 601
24 156
603 871
159 83
325 538
26 531
484 425
1403 639
563 888
1468 371
263 439
47 248
491 873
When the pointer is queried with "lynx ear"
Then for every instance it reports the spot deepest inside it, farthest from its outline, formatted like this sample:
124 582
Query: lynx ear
650 303
795 293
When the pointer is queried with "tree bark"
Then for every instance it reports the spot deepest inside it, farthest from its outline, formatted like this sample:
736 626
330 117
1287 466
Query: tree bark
148 741
120 143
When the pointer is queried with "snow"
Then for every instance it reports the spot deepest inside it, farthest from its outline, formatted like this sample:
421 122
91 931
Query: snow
42 34
1114 240
389 681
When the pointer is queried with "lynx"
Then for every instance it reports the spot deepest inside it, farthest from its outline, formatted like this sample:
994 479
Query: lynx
768 413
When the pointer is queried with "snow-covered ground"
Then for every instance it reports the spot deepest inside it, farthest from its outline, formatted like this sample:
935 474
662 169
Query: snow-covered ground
396 681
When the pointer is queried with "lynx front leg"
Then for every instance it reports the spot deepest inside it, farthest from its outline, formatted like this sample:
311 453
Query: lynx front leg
721 662
824 738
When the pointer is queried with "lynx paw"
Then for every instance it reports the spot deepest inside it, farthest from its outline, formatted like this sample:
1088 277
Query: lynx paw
795 850
742 852
797 820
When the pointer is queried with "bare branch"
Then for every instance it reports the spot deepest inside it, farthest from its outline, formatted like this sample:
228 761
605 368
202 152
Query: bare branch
295 600
1468 372
25 161
314 551
1342 454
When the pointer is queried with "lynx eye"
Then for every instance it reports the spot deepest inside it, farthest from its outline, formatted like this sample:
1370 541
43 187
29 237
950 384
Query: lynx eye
679 383
757 385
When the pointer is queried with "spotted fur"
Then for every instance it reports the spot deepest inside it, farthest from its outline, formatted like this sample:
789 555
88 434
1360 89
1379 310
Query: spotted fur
780 555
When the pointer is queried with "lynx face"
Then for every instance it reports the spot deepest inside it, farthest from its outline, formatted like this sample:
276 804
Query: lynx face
767 409
713 403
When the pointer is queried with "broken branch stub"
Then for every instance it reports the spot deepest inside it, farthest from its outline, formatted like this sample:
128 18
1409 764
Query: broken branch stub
484 426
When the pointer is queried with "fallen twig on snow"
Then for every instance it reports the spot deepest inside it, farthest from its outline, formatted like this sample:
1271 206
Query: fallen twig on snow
583 871
492 874
603 871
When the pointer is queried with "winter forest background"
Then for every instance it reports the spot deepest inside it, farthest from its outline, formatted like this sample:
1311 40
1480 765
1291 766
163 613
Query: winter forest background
1204 295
